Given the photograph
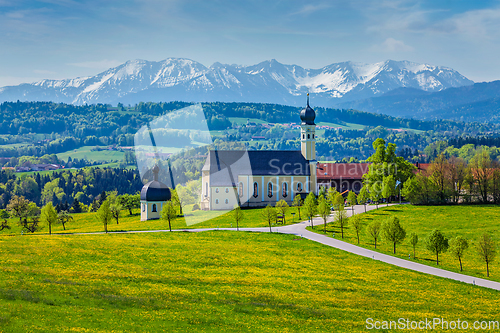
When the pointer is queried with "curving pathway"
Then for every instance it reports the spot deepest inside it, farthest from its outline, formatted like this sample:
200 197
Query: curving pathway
299 229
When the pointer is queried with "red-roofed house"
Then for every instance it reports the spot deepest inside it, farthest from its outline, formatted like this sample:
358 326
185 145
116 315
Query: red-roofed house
344 176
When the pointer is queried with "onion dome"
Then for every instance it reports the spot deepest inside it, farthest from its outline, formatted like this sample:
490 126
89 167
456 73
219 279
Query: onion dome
307 115
155 190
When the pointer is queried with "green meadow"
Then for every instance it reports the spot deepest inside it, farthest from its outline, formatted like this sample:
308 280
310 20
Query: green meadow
88 153
219 281
466 221
88 222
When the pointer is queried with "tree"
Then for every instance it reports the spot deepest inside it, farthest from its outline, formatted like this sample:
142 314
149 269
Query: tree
388 187
282 207
393 231
338 201
63 217
4 215
363 196
269 215
76 206
298 202
438 176
114 206
436 243
351 200
486 248
480 167
168 213
18 207
104 214
331 195
376 193
310 207
355 222
413 242
238 216
458 245
175 199
373 230
323 210
129 201
341 218
48 215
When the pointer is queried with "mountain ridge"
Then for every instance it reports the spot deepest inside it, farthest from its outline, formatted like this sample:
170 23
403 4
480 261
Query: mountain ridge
268 82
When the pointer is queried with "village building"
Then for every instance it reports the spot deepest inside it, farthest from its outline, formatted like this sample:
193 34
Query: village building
153 196
259 178
342 176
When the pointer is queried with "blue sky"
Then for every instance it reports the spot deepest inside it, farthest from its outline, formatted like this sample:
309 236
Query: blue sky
58 39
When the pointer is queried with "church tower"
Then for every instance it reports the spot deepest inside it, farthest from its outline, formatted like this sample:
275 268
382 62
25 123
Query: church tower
308 141
307 132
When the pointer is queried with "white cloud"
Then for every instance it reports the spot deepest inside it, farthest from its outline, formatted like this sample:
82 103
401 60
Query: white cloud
308 9
392 45
100 65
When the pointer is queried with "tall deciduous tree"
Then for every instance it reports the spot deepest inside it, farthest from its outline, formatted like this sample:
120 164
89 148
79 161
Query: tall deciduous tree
458 245
269 215
414 242
282 207
104 214
373 230
63 217
341 218
481 169
436 243
388 187
310 207
238 216
393 231
168 213
363 196
486 249
298 202
355 222
351 200
331 195
376 192
18 207
4 215
323 210
48 215
129 202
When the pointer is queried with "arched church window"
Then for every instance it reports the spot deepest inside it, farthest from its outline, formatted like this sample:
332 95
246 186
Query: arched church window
217 190
227 201
303 136
240 189
227 190
299 187
216 201
285 190
308 136
313 136
154 208
270 190
255 190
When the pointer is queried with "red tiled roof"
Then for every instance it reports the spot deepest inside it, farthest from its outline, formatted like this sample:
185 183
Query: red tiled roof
342 170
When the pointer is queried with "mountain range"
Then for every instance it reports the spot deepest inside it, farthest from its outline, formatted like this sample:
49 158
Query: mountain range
478 102
177 79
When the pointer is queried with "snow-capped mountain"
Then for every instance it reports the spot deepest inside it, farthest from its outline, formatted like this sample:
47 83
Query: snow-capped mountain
267 82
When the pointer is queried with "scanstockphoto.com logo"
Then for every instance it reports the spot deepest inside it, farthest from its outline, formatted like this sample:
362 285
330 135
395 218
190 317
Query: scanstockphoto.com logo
431 324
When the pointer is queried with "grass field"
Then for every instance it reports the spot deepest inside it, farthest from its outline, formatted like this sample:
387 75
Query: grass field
97 156
214 282
467 221
88 222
